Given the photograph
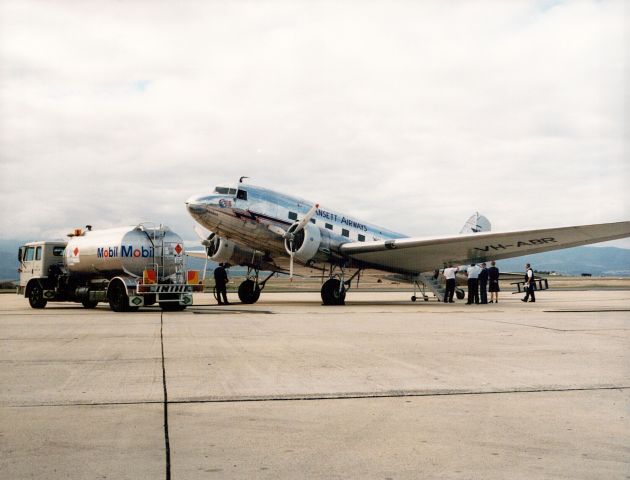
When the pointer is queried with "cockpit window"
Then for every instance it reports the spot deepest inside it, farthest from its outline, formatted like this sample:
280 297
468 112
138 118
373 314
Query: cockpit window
225 190
242 194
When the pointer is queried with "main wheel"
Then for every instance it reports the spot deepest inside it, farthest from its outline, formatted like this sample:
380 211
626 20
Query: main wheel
248 292
89 303
118 298
333 292
36 297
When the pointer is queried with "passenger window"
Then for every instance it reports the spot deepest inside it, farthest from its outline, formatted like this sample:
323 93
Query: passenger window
30 253
312 220
38 253
361 238
329 226
345 232
241 195
293 215
58 251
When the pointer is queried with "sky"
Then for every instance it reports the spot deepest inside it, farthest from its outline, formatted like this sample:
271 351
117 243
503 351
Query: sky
409 115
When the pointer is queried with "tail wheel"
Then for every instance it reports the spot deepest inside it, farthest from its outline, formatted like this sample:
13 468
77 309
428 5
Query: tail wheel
36 297
248 292
333 292
89 303
118 298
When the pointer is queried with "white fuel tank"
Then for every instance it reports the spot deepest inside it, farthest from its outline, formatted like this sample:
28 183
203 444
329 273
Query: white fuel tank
125 250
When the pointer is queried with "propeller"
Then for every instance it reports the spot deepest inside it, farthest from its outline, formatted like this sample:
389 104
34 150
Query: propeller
294 230
206 242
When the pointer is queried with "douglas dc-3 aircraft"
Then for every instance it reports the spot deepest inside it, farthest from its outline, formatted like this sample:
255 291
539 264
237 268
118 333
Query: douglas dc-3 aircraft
269 231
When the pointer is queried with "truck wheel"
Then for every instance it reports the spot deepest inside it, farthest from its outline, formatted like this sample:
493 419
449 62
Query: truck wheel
172 307
331 293
89 303
248 292
118 298
36 297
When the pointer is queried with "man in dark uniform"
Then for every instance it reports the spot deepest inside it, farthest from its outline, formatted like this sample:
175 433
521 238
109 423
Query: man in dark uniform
483 284
220 281
530 284
493 275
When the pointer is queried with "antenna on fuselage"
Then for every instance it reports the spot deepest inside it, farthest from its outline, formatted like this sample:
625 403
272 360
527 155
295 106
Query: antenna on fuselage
240 180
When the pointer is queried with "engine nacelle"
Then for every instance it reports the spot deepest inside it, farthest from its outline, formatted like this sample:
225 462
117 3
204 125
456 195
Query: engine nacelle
306 242
221 250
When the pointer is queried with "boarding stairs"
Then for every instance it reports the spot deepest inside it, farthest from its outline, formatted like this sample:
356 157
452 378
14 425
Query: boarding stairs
427 281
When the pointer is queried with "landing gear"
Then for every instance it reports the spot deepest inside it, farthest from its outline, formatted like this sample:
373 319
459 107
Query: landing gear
460 294
334 289
249 290
333 292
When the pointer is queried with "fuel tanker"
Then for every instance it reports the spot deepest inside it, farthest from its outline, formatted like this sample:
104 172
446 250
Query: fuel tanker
128 267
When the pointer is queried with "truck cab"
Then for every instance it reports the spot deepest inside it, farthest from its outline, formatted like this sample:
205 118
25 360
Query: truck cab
35 259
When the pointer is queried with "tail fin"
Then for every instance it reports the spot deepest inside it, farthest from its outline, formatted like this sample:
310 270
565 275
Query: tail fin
476 223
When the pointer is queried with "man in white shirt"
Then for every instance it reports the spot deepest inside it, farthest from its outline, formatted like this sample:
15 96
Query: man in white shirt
473 284
530 284
449 273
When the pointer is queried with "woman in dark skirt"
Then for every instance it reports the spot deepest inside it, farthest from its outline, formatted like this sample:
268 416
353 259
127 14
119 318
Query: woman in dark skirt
493 280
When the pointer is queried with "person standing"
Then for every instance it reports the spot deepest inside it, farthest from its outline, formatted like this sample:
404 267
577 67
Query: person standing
473 284
483 284
493 277
449 274
530 284
220 282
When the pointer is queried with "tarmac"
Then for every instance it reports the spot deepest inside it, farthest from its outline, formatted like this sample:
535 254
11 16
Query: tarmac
381 388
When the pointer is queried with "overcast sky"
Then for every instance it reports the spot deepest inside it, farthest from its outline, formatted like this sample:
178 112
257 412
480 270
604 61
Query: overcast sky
411 115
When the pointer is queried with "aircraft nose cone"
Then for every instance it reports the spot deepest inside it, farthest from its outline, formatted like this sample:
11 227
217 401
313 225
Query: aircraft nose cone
195 204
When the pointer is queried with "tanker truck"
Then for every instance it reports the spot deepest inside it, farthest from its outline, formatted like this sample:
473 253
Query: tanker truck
127 267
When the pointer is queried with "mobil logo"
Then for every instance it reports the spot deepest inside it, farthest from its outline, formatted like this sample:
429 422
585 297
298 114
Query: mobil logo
136 252
126 251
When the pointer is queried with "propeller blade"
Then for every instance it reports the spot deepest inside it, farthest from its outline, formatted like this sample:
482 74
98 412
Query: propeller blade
203 238
277 230
291 261
307 218
205 269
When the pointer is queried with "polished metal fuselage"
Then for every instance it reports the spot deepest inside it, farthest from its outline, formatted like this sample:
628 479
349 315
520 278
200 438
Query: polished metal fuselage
254 221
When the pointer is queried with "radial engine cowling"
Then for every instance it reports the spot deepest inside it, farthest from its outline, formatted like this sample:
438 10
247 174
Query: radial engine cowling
221 250
306 242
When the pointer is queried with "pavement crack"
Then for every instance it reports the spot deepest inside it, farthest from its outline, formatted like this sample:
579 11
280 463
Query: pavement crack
167 443
336 396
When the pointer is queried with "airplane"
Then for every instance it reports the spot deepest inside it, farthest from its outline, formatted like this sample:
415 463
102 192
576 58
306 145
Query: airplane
269 231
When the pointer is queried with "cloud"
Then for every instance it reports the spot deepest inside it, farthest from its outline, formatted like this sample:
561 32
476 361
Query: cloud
407 115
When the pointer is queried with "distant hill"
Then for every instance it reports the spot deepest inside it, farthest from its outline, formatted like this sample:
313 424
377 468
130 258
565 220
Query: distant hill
598 261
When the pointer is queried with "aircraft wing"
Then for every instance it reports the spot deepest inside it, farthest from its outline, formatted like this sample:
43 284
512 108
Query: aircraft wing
413 255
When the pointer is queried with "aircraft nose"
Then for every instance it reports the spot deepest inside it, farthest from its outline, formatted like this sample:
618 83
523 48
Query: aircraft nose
196 203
